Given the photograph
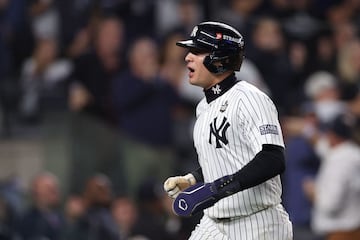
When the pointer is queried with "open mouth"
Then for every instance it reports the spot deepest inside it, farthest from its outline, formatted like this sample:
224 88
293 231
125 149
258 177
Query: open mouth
191 72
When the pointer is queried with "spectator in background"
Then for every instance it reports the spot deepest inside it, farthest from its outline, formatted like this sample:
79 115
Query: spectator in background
238 13
125 213
144 107
12 191
90 100
74 210
15 45
151 215
76 28
94 70
180 14
302 22
323 90
45 22
44 79
16 32
138 15
8 220
325 56
323 104
302 134
349 61
97 222
81 43
351 97
340 12
336 190
299 57
268 53
42 220
302 164
189 13
343 33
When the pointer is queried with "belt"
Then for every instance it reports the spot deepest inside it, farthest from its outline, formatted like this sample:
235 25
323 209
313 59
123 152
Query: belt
229 219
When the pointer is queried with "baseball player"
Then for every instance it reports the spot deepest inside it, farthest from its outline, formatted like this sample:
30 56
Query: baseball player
239 143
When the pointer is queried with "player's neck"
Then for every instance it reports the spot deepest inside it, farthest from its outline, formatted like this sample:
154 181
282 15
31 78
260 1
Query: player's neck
220 87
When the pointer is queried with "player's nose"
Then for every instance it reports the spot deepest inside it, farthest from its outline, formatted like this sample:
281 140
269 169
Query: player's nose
188 57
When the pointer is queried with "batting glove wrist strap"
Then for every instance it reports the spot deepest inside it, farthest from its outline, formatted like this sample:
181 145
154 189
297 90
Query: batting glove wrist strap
194 199
203 195
226 186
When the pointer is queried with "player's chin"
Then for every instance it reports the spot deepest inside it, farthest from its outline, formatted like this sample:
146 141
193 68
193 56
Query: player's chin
193 81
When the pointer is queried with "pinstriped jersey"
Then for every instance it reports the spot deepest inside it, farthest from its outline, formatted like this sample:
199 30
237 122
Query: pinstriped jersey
229 131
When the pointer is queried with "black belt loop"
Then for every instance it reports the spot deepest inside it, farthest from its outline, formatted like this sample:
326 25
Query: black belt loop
222 220
229 219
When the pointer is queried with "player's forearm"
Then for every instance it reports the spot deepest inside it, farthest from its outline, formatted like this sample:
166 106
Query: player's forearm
268 163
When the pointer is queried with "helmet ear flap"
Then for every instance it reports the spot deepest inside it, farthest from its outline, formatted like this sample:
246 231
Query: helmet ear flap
218 65
214 66
237 61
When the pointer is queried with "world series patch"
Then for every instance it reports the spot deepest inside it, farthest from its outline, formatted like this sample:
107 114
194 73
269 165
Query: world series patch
268 129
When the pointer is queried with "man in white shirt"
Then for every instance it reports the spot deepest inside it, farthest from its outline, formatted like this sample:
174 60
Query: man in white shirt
336 190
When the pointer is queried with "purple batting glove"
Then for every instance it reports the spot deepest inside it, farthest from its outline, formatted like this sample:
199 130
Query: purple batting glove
194 199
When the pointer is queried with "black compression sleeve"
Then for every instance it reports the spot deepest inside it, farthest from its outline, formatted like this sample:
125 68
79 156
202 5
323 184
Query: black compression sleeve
268 163
198 175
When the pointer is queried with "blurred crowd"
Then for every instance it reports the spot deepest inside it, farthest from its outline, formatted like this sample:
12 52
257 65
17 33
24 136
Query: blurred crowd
114 65
95 213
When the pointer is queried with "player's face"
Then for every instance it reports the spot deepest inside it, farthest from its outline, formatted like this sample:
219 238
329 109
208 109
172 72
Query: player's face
198 73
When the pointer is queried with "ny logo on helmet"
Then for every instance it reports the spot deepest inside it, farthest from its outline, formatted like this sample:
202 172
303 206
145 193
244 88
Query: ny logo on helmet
219 132
194 31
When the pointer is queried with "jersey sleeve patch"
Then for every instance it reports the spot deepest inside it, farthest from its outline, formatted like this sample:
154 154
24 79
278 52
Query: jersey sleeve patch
269 129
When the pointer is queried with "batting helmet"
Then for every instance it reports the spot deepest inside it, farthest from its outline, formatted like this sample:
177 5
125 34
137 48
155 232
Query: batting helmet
224 44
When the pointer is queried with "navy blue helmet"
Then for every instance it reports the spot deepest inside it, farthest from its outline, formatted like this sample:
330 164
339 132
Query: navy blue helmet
224 44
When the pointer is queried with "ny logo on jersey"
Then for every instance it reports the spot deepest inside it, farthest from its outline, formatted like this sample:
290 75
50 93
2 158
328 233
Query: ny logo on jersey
216 90
219 132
